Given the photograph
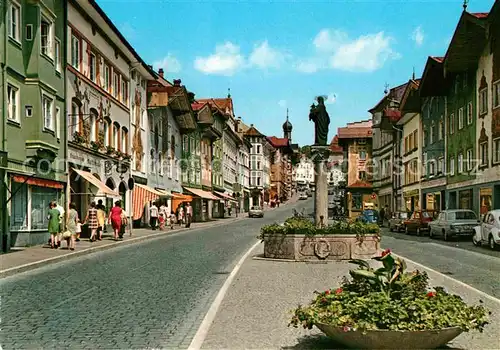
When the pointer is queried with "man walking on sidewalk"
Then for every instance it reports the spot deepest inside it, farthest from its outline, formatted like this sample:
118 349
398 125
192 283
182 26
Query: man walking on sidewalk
153 213
189 214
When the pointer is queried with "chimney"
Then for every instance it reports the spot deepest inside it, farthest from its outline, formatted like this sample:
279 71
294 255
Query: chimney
160 72
177 82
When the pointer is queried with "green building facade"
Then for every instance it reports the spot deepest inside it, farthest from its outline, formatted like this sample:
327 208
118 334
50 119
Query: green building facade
33 118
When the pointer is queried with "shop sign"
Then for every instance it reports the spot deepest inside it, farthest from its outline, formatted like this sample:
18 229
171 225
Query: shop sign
412 193
84 159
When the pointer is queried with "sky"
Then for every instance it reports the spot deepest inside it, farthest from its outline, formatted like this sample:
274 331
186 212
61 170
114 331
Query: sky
279 55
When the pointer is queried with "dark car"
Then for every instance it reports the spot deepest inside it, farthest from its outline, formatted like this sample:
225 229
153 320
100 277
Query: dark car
397 221
368 216
418 222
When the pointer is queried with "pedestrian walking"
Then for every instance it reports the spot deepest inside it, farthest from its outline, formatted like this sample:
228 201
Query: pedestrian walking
153 216
180 216
123 225
172 220
54 225
101 218
61 226
189 214
92 221
115 219
72 225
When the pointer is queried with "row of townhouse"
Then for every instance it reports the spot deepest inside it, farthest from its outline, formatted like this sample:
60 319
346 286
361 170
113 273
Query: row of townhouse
436 140
85 118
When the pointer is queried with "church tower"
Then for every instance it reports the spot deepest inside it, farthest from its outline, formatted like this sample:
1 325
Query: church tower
287 128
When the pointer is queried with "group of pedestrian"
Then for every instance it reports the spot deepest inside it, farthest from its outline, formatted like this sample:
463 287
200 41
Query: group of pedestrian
161 216
95 219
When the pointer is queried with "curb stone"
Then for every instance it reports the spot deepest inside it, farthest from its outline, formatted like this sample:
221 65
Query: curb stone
44 262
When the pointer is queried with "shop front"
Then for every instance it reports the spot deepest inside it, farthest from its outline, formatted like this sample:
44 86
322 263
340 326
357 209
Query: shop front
202 204
228 201
433 199
411 200
479 198
29 206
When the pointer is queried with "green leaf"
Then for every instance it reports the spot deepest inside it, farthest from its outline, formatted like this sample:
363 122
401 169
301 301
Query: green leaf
363 274
360 262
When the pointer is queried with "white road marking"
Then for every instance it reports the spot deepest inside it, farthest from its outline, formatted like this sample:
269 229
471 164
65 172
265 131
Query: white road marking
463 284
202 332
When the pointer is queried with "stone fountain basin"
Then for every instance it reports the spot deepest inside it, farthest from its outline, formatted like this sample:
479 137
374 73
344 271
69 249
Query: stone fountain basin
385 339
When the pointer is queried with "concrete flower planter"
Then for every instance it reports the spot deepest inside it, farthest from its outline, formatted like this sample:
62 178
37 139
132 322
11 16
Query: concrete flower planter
302 247
382 339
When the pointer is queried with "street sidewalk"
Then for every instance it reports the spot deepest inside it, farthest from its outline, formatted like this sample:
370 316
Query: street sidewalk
256 310
29 258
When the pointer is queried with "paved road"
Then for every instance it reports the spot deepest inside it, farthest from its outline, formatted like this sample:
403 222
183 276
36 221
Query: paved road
460 259
150 295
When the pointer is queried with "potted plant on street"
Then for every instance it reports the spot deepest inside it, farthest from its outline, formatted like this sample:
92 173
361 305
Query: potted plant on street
299 239
389 308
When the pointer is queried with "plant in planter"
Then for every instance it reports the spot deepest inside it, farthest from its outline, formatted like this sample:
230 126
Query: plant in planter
96 145
79 138
110 150
387 307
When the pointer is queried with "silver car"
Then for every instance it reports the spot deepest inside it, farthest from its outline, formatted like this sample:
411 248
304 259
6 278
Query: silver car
453 223
256 212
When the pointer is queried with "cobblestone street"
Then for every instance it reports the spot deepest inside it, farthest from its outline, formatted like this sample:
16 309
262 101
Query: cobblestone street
148 295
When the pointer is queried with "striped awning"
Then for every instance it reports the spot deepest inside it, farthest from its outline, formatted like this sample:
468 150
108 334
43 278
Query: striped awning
201 193
141 195
225 196
102 189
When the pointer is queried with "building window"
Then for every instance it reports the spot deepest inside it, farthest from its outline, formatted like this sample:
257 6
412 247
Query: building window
431 134
18 207
13 113
57 56
75 52
14 19
116 140
75 118
441 129
58 123
362 175
356 201
496 151
48 113
124 91
124 142
483 101
440 165
107 80
160 164
258 149
92 67
116 85
451 123
469 113
46 37
496 94
460 118
469 160
106 129
460 163
362 155
452 166
431 167
424 135
483 151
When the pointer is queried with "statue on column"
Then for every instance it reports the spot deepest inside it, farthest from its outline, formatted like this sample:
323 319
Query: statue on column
321 119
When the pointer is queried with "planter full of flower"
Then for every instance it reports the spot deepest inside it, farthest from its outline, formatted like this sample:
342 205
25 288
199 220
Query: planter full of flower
299 239
389 308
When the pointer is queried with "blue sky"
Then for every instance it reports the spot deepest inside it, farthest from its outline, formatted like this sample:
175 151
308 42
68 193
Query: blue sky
281 54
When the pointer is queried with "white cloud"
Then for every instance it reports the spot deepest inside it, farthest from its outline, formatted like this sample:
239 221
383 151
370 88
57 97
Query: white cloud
331 99
264 56
334 49
282 103
418 36
169 64
226 60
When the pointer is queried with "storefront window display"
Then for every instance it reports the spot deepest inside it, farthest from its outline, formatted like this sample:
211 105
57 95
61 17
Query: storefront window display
465 199
485 200
30 205
357 203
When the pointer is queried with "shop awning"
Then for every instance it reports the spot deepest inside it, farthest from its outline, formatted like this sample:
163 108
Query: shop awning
34 181
225 196
202 194
102 189
176 195
164 193
142 194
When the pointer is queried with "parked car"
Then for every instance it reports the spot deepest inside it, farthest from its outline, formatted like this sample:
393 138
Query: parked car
488 232
303 196
256 212
453 223
397 221
418 222
368 216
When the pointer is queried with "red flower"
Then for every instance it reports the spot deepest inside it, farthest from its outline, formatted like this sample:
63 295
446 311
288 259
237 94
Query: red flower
386 252
347 329
431 294
338 291
327 292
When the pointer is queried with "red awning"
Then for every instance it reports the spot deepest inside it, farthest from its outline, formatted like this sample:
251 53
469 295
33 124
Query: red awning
34 181
140 196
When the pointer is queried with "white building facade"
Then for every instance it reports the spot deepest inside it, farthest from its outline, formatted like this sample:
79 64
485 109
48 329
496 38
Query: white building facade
304 171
